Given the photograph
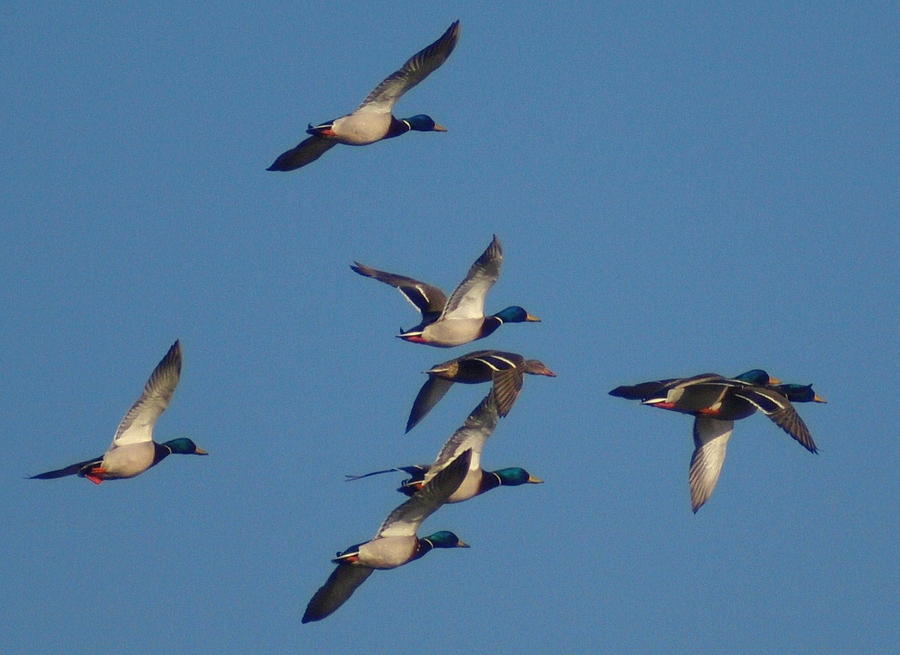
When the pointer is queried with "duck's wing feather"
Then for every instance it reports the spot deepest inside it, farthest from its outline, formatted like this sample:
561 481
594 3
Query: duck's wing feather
508 373
470 436
467 300
711 437
383 97
405 519
137 425
305 152
426 298
429 395
339 586
507 386
74 469
778 408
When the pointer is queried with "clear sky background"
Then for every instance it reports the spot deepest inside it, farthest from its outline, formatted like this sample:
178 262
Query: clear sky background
678 189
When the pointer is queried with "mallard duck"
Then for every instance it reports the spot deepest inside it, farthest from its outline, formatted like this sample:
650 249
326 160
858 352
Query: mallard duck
133 450
447 323
699 398
470 436
503 368
395 543
716 402
373 120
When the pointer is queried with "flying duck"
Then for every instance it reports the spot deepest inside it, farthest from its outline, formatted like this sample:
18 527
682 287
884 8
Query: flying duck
373 120
716 402
133 450
395 543
459 320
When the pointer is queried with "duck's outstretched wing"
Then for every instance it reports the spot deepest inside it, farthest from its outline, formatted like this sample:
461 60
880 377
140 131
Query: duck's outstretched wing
405 519
467 300
426 298
507 387
431 392
711 437
305 152
383 97
74 469
340 585
778 408
137 425
472 435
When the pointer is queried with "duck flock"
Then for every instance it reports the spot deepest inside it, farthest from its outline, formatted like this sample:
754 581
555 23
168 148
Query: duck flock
456 475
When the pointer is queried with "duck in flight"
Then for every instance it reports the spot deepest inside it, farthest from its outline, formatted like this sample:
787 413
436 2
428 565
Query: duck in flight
716 403
459 319
504 369
471 436
374 120
133 450
395 543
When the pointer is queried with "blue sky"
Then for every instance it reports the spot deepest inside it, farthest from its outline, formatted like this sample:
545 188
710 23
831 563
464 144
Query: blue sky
678 189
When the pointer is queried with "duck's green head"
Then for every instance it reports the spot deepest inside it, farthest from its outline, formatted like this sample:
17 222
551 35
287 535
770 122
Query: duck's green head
799 393
424 123
445 539
757 376
184 446
513 477
516 314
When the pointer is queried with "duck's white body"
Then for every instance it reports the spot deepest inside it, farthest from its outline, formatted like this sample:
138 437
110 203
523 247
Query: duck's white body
388 552
129 460
361 128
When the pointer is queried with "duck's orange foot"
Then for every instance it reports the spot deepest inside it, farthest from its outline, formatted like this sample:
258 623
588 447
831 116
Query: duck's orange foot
94 474
321 130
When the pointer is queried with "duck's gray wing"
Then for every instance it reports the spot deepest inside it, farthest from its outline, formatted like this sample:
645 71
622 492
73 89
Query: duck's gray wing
305 152
137 425
339 586
74 469
778 408
467 300
405 519
470 436
431 392
695 394
711 437
383 97
426 298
